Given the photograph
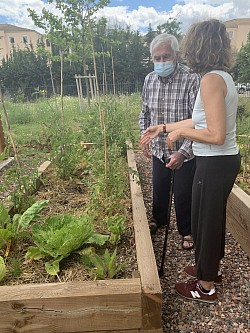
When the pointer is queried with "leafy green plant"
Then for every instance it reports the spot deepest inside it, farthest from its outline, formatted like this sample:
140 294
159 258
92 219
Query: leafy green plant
66 151
116 226
106 266
59 236
13 266
24 184
12 229
2 268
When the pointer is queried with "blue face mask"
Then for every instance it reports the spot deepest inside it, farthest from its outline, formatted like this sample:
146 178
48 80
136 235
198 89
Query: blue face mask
164 68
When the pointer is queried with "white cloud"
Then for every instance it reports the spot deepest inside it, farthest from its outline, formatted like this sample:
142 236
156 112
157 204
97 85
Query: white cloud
15 12
137 19
192 11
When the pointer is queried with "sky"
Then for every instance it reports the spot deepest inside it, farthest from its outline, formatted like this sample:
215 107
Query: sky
137 14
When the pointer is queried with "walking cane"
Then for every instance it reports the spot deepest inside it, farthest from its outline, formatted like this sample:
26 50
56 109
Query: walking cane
161 270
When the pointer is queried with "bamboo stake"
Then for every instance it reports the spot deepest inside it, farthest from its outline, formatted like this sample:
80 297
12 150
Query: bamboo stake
52 82
105 88
9 130
101 113
113 70
78 92
62 105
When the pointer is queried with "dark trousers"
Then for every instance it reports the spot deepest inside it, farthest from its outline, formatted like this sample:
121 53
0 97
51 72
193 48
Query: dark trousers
182 190
213 181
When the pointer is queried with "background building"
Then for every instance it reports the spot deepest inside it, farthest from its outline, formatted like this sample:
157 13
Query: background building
13 37
238 30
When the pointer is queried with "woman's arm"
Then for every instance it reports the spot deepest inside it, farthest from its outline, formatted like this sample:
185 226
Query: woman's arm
153 131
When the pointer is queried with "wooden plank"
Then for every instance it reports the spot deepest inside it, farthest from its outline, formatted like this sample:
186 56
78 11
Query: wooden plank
6 162
71 307
43 167
151 287
238 217
160 330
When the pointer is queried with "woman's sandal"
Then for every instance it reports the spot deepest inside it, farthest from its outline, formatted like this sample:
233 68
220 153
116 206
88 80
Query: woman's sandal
187 240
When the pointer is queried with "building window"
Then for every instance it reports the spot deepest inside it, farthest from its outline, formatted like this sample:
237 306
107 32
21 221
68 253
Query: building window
25 39
12 40
230 34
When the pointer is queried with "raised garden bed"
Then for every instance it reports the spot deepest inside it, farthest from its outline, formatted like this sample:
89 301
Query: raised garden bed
122 305
238 217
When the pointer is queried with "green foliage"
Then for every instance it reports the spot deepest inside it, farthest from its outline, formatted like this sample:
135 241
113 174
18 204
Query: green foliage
59 236
116 226
12 229
21 71
243 62
243 140
5 154
25 185
172 26
2 269
105 266
66 151
241 112
121 54
13 267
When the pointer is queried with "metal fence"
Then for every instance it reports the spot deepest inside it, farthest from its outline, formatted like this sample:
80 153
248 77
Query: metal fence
21 94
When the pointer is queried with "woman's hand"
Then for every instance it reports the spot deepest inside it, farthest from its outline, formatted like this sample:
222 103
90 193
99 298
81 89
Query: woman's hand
150 133
172 137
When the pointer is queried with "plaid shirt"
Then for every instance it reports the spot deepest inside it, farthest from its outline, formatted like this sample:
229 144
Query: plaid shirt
168 100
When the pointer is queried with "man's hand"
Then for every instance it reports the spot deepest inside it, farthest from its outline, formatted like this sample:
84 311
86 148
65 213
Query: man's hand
146 150
150 133
175 161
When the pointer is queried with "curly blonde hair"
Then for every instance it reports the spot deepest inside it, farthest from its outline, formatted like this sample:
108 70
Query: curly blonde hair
206 47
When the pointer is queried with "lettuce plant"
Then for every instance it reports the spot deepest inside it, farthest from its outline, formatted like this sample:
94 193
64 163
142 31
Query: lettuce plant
12 229
61 235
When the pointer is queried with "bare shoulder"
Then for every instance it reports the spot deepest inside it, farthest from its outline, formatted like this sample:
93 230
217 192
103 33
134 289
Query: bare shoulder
213 82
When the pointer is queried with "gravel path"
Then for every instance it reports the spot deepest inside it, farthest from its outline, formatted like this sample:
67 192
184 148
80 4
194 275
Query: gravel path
231 313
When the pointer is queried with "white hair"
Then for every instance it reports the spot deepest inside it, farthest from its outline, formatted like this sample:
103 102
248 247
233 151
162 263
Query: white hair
163 40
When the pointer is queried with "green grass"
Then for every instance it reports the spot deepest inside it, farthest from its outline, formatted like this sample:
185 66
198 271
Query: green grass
33 121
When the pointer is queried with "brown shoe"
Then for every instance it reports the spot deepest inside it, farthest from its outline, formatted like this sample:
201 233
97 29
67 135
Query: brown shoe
191 291
191 271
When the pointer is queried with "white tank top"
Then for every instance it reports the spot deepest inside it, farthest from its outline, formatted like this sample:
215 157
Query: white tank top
199 118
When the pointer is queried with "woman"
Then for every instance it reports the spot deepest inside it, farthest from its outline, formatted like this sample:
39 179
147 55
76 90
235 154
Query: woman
213 132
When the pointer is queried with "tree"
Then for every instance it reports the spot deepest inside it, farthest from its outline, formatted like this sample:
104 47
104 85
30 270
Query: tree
243 62
172 26
68 32
23 72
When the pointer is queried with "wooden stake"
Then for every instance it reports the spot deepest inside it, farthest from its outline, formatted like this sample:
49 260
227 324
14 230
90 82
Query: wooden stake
9 130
